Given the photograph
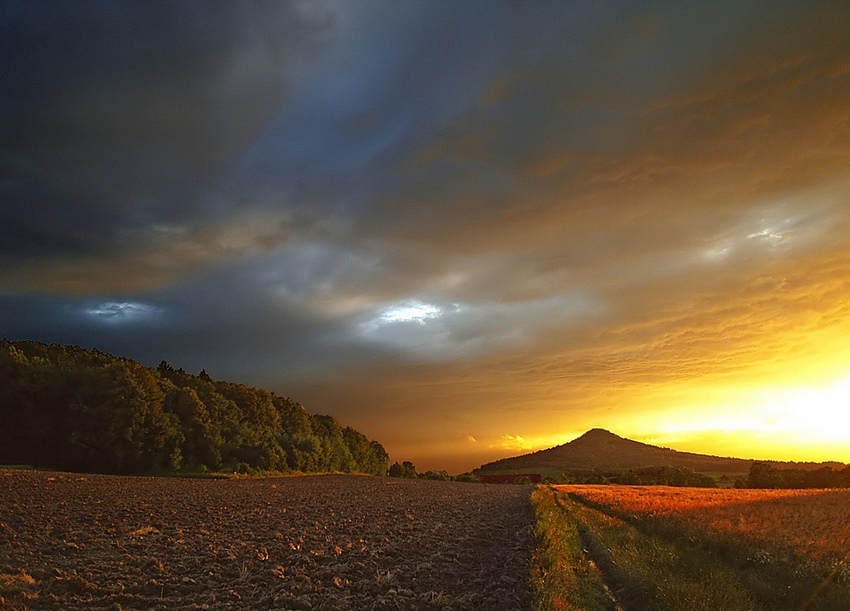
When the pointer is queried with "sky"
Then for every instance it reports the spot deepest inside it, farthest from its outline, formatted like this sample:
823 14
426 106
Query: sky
467 229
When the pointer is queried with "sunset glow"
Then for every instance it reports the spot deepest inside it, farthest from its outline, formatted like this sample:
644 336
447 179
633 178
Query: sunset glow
468 230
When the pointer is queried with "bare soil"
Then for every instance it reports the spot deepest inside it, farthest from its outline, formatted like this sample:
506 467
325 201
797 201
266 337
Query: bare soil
332 542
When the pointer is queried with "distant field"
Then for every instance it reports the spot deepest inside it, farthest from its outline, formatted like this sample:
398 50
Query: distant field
690 548
813 524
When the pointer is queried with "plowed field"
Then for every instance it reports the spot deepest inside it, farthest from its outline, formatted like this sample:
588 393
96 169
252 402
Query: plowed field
70 541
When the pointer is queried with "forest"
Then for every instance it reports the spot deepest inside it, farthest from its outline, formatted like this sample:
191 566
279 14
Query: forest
765 475
67 408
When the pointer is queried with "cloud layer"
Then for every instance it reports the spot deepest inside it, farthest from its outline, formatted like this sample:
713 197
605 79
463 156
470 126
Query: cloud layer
464 228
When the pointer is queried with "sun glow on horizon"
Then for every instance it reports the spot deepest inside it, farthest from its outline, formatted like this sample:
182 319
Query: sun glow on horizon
798 423
821 412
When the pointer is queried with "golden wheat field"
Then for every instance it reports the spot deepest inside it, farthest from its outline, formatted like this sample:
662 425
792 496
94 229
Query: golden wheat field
812 523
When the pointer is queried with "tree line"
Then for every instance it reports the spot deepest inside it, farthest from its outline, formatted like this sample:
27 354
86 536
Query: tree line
664 475
68 408
407 470
765 475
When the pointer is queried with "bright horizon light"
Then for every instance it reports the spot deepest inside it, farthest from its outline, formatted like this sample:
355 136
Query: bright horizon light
822 413
803 423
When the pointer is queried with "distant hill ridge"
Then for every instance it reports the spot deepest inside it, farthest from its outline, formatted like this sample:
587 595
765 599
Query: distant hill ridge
599 449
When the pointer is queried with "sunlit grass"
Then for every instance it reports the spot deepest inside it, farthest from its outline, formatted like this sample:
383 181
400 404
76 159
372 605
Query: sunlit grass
563 577
690 549
651 572
814 524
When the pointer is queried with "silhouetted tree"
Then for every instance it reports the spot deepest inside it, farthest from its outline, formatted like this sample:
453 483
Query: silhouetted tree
404 470
763 475
442 476
409 471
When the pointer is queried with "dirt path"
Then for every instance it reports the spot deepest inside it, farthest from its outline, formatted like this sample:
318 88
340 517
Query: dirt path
71 541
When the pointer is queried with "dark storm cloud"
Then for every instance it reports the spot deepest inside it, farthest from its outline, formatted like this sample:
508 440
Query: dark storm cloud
118 116
458 212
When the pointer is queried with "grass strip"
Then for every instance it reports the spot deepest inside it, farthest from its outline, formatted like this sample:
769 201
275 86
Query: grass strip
563 577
